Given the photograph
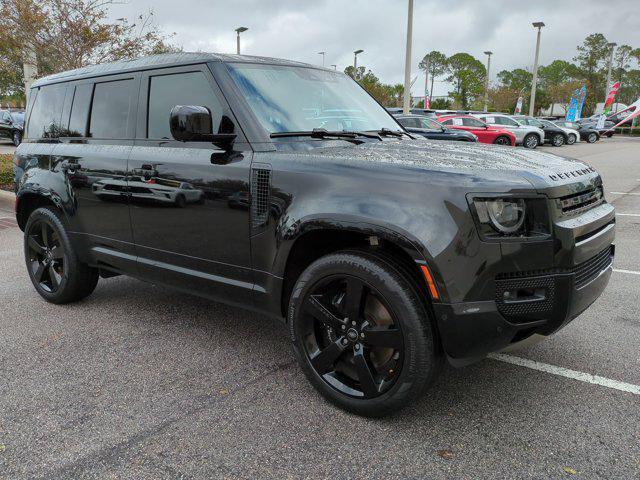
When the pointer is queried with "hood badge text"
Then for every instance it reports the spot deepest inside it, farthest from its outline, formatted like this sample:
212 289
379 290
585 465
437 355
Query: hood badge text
573 173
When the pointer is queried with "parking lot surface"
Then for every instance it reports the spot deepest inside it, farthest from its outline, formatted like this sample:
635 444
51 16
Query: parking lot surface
139 381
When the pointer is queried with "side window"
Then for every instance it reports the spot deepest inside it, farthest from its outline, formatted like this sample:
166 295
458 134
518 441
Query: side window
46 113
110 109
491 120
5 117
472 122
80 110
457 122
447 122
509 122
167 91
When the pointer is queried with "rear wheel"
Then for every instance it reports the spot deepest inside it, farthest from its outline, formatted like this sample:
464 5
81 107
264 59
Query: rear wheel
52 263
181 201
592 138
609 134
571 139
361 333
531 141
557 140
502 140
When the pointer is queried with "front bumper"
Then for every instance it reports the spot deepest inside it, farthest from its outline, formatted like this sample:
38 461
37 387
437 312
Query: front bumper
552 296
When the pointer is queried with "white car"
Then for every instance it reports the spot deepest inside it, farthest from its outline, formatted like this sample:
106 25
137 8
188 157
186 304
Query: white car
573 135
155 189
526 135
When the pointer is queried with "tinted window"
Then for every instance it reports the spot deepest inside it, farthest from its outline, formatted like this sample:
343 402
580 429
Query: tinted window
428 123
110 109
167 91
410 122
447 122
472 122
80 110
46 113
506 121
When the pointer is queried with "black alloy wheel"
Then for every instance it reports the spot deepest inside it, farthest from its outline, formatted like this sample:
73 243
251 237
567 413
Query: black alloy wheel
361 333
45 256
557 140
502 140
571 139
530 141
592 138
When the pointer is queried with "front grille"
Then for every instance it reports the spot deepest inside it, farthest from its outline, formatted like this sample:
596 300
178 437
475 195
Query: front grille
580 201
590 269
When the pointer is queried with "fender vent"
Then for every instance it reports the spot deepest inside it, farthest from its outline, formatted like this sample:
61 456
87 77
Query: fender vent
260 194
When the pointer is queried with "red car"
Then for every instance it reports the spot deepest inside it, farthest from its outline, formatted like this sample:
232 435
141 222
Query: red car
485 133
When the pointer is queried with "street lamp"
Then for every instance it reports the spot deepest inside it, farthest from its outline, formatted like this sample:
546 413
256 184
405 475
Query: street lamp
239 30
355 63
486 86
532 102
322 53
612 46
335 67
406 104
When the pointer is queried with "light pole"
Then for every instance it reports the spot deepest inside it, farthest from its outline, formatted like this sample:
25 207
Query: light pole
322 53
335 67
239 30
486 83
534 81
406 104
611 46
355 63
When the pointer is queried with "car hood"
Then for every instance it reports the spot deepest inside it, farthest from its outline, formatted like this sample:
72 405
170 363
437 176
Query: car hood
544 171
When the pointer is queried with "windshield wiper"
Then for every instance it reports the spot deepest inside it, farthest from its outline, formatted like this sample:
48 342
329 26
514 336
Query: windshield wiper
323 133
386 132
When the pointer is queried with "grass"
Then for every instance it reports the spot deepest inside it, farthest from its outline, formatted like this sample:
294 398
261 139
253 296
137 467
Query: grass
6 169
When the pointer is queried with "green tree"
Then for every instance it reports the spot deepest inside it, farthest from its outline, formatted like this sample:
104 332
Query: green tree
622 61
437 63
467 74
591 60
516 79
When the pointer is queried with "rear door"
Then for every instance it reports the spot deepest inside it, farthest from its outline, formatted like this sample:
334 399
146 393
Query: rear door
100 130
190 200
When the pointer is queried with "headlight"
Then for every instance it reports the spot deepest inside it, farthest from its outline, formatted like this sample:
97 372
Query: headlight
511 217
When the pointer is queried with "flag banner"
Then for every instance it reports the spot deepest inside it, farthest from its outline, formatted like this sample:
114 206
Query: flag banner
427 103
611 97
518 106
634 110
572 110
581 98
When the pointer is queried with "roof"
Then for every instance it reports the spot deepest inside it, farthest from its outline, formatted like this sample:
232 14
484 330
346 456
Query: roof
161 61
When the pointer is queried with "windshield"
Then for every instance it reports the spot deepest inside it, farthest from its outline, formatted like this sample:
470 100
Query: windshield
297 99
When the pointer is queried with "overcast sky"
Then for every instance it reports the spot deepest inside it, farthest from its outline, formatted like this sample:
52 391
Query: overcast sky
298 29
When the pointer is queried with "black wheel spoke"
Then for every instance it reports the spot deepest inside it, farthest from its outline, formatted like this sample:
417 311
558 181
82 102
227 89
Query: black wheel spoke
355 292
35 246
57 253
45 235
39 273
383 337
53 278
367 382
325 361
321 313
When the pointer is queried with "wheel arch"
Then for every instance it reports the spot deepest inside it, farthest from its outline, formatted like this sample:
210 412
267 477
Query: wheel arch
28 201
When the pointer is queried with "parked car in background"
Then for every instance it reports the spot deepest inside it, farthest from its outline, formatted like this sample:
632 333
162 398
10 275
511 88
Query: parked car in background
527 136
573 135
12 125
587 133
552 133
485 133
592 122
430 128
413 111
384 255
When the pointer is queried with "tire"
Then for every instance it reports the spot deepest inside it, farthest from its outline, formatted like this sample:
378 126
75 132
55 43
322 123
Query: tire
609 134
181 202
530 141
557 140
17 138
371 356
571 139
52 263
502 140
592 138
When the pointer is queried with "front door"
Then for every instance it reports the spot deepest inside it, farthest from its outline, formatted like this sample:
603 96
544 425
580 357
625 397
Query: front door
190 225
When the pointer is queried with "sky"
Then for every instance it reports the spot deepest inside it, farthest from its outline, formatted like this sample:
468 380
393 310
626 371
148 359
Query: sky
298 29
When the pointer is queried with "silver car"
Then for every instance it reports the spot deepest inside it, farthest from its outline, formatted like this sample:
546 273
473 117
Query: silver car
526 135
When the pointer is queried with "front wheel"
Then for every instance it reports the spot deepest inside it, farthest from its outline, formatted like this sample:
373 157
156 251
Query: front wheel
571 139
362 334
52 263
17 138
557 140
592 138
530 141
502 140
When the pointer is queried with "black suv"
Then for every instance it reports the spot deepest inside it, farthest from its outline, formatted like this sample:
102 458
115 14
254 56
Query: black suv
12 125
286 189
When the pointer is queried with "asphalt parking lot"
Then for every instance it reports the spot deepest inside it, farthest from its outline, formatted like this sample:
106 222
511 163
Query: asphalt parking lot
139 381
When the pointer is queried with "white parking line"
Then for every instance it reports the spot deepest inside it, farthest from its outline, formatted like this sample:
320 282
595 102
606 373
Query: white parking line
565 372
626 271
627 214
624 193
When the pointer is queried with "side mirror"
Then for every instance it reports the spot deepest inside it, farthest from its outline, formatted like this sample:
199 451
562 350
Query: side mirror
193 123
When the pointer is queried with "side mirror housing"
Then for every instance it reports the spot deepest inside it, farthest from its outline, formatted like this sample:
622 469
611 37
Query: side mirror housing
193 123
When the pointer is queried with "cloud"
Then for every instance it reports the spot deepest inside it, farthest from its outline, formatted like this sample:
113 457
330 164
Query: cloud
298 29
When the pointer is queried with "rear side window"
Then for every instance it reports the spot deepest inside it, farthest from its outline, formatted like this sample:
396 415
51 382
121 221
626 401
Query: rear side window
472 122
110 109
167 91
46 113
448 122
80 110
